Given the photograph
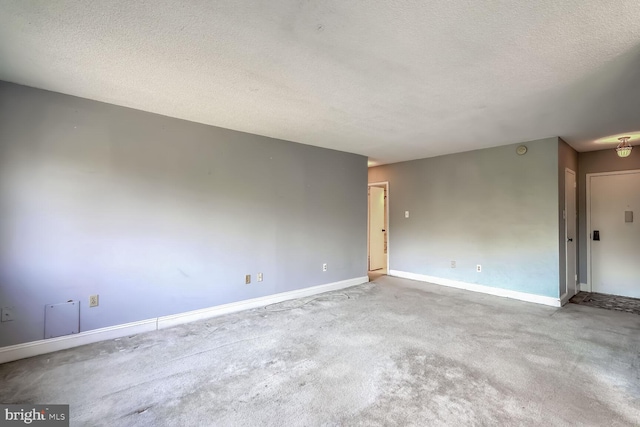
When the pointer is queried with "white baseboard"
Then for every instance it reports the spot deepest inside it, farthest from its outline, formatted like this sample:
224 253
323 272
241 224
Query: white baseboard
35 348
205 313
584 287
507 293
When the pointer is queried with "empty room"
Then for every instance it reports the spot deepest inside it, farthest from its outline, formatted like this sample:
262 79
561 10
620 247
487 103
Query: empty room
296 213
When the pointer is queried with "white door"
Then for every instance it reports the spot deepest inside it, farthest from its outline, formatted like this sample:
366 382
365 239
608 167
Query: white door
615 233
570 230
376 228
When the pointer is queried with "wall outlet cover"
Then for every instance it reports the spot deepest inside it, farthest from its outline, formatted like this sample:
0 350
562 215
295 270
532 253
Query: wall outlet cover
94 300
247 279
259 277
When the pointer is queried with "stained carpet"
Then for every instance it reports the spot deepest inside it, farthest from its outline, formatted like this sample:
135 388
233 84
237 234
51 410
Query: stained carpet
391 352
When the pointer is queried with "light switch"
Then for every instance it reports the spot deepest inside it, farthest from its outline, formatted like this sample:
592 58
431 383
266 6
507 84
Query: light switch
628 216
406 214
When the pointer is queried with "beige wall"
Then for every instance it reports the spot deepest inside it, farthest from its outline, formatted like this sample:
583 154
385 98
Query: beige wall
595 162
567 159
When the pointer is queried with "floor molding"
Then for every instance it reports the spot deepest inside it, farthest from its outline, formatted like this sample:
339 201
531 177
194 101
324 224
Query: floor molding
35 348
205 313
584 287
507 293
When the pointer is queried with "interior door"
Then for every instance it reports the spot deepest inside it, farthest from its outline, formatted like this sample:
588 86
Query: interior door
615 234
376 228
570 230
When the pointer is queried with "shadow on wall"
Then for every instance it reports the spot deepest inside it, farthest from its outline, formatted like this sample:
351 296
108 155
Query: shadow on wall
159 215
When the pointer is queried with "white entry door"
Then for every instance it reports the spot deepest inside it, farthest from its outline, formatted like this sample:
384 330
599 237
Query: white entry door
615 233
570 230
376 228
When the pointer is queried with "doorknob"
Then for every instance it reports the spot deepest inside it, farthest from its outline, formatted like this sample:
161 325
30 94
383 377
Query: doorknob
384 229
569 239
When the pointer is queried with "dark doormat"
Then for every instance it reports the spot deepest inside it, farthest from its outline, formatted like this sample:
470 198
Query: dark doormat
610 302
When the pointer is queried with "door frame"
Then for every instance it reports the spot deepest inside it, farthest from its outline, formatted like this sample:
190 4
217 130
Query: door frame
566 230
384 184
588 200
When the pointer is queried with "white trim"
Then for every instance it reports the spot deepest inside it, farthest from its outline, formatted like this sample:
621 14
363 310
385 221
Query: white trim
575 237
589 285
387 218
564 299
368 228
584 287
35 348
588 230
624 172
205 313
507 293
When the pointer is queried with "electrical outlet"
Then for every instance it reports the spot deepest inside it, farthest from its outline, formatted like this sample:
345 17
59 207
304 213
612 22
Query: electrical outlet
259 277
406 214
93 300
6 314
247 279
324 267
453 264
479 268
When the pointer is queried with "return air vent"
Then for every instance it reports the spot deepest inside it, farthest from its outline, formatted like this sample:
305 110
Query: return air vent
61 319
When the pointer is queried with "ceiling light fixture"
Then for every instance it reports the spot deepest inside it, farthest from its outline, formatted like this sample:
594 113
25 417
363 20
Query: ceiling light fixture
624 148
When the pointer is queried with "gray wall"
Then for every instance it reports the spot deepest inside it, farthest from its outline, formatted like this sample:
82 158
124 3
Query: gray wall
489 207
567 158
595 162
159 215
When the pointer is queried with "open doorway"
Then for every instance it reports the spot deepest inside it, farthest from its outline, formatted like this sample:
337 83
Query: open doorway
378 230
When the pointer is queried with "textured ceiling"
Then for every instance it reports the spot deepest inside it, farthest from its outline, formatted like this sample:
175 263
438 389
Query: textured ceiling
393 80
